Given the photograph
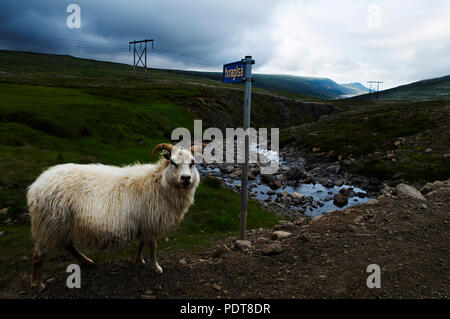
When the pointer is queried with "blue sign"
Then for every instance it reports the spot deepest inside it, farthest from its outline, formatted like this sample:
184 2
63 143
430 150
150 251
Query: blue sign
233 72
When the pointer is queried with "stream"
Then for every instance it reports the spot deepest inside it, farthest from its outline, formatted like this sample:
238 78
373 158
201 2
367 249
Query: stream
297 188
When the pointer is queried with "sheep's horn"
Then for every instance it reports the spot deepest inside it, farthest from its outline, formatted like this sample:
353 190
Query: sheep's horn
160 147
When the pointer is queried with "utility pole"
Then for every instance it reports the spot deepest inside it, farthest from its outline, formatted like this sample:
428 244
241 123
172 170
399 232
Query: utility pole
139 53
377 83
248 62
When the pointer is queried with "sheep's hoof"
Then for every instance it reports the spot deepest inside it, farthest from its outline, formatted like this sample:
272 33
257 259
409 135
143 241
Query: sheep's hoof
140 261
158 269
39 288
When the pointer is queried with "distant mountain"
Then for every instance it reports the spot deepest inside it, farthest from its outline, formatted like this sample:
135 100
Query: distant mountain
315 87
355 88
425 90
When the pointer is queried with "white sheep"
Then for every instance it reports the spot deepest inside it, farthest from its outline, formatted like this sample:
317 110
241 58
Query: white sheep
100 206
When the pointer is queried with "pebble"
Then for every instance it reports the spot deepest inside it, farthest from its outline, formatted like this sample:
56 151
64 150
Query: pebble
272 249
279 234
182 261
243 244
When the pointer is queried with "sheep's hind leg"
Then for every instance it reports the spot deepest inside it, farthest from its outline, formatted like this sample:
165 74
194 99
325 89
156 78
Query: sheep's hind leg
37 261
79 255
153 246
140 254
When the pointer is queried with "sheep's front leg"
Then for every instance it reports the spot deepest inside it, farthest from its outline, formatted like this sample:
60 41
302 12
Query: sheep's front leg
140 253
153 246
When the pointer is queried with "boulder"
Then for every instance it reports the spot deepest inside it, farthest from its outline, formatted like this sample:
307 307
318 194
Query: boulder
340 200
243 244
408 192
298 196
260 243
267 178
338 182
279 234
272 249
295 173
275 184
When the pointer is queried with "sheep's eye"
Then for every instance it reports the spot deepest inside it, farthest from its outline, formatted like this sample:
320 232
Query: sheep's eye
174 164
192 164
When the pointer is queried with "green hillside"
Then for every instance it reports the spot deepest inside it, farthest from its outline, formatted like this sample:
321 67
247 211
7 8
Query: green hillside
319 88
426 90
59 109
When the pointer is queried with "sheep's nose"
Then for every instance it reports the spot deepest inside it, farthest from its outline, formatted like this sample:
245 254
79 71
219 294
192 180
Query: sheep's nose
186 178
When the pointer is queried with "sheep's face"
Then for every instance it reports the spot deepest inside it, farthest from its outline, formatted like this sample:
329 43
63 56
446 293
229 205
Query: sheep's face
181 170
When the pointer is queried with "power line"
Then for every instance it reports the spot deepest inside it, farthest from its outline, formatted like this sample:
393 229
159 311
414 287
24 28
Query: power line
49 43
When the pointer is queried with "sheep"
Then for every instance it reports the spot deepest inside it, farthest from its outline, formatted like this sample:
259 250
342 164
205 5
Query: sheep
107 207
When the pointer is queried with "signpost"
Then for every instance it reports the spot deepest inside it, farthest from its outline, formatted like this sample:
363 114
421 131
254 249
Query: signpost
241 71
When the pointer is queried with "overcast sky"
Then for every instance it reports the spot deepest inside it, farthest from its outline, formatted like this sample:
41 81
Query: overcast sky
348 41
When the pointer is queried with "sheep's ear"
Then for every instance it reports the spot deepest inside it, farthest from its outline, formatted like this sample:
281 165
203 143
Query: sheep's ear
166 154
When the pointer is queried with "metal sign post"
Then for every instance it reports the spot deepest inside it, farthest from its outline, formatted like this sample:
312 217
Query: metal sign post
241 71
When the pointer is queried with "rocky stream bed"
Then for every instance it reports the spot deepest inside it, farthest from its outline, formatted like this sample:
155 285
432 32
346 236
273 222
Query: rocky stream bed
303 184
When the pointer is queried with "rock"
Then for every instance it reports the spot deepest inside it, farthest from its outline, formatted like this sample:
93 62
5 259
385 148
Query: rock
323 180
260 242
217 287
148 297
428 150
272 249
334 169
298 196
25 258
243 244
2 233
390 156
426 188
279 234
3 210
304 237
361 194
408 192
437 185
182 261
338 182
51 280
345 191
299 221
228 169
271 192
372 202
288 226
340 200
267 178
220 250
347 162
295 173
275 184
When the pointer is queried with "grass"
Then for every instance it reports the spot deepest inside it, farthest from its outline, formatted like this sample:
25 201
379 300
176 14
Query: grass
368 133
214 215
85 111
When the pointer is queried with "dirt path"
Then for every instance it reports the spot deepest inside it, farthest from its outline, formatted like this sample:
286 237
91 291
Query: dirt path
322 258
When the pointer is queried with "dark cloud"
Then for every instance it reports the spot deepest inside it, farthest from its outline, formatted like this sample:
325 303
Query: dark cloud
206 30
325 38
